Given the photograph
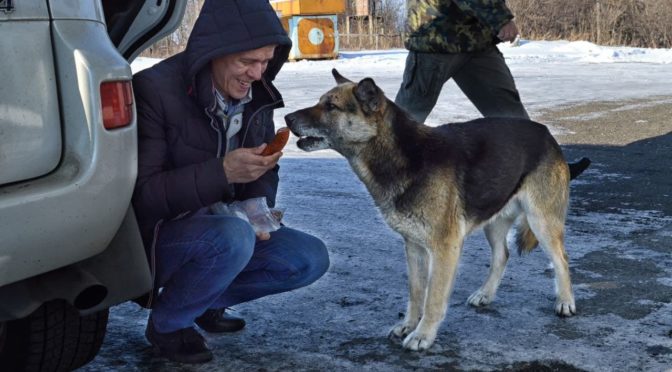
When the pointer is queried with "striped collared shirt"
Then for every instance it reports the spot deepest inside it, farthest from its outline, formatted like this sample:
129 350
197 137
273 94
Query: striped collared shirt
231 113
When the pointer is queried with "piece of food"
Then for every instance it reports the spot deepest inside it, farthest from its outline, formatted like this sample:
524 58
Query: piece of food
278 143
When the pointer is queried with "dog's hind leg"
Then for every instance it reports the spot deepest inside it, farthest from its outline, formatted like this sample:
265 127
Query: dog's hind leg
550 235
444 255
546 211
417 260
495 232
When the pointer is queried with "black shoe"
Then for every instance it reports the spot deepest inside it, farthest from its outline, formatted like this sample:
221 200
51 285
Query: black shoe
184 346
218 321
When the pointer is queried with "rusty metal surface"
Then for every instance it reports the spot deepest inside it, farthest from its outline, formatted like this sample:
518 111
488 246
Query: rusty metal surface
312 45
287 8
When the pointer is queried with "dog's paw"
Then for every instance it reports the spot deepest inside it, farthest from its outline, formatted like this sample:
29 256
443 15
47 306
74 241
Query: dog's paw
479 298
565 308
417 341
400 331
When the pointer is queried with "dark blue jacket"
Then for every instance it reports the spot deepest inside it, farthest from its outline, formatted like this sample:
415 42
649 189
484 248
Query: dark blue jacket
180 140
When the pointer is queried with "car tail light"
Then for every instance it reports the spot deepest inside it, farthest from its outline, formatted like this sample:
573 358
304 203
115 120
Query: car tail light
117 102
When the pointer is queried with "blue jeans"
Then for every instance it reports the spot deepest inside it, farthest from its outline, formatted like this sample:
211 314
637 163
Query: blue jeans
213 261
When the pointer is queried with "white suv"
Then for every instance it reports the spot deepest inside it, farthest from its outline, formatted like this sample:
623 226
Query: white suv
70 247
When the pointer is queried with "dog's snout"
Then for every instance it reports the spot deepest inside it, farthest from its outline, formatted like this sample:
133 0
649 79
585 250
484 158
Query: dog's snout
290 119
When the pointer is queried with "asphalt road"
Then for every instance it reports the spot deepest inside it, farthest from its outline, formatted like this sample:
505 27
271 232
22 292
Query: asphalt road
619 240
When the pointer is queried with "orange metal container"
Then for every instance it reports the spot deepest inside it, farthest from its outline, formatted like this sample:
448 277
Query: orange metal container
286 8
313 36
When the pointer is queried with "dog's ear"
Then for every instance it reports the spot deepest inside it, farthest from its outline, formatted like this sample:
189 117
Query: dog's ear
339 78
369 95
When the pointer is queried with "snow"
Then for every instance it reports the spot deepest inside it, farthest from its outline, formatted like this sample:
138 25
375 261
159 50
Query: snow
548 74
584 52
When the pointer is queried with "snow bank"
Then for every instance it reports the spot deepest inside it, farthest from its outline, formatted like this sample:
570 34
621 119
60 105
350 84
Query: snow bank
548 74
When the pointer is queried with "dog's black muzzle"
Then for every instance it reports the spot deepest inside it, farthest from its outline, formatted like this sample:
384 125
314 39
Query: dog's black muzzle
290 120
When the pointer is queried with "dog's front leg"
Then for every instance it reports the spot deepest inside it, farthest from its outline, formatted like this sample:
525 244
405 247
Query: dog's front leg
416 259
443 259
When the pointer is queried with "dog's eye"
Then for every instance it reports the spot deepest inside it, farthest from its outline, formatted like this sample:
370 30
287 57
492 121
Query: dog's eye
330 106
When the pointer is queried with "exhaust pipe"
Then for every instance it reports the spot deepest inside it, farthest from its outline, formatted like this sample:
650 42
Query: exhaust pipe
73 284
90 297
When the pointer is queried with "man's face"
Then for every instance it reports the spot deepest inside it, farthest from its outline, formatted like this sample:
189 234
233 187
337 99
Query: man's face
234 73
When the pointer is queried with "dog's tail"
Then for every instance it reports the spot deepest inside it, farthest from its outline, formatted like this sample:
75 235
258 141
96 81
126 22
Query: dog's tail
525 239
575 169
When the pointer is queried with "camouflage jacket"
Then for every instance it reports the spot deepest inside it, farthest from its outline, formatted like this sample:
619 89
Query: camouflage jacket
454 26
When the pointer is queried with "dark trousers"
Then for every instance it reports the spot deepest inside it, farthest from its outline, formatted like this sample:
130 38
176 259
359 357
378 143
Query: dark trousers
484 78
212 262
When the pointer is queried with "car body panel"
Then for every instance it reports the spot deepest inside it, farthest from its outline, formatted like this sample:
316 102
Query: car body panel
35 10
154 21
66 221
77 9
73 213
30 127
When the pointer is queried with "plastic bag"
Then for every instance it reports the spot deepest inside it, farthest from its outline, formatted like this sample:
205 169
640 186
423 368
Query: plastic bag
255 211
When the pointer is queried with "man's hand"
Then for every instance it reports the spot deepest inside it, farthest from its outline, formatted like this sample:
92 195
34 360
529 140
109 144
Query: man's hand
508 32
263 235
245 165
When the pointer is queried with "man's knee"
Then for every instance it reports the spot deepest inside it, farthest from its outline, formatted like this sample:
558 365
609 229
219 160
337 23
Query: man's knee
417 108
233 242
318 258
417 105
312 260
305 255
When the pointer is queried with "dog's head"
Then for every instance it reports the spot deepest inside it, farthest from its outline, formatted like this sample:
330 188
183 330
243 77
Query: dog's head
345 116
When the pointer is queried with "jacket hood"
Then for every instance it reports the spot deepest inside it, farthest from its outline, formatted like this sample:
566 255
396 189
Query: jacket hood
229 26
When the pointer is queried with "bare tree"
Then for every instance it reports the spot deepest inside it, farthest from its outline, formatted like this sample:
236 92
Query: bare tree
379 27
644 23
177 41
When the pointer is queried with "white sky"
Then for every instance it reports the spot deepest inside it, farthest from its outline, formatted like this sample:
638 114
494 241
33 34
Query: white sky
548 74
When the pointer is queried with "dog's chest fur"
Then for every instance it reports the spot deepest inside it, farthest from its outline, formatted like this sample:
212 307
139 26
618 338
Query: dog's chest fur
409 222
407 225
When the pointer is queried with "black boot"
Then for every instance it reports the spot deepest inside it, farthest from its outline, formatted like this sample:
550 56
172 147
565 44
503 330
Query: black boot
184 346
218 321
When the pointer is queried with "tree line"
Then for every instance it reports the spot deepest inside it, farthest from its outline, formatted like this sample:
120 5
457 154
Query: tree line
639 23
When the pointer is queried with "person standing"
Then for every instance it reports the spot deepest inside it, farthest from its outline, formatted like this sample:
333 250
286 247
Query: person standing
204 117
457 39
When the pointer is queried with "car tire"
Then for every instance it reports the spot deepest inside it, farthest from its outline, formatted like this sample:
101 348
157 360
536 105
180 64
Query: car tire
53 338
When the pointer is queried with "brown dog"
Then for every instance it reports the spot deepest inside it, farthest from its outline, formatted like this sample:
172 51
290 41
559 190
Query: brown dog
436 185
